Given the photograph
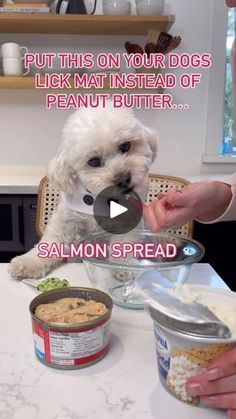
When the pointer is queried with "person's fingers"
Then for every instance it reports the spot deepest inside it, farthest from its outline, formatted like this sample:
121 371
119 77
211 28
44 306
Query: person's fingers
223 366
161 214
231 414
161 195
176 198
157 215
220 401
170 217
150 218
202 387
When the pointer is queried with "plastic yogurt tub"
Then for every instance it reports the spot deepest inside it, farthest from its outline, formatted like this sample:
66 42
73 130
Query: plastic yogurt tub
181 356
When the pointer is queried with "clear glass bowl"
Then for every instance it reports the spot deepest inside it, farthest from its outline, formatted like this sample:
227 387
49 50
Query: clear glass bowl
116 276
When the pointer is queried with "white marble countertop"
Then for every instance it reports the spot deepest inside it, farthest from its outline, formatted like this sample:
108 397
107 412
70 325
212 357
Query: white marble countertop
25 179
124 385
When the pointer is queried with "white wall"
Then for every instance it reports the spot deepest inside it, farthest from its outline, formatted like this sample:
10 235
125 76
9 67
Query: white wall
30 134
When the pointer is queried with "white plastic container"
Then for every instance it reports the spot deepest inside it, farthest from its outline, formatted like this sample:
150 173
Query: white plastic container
181 355
180 358
116 7
150 7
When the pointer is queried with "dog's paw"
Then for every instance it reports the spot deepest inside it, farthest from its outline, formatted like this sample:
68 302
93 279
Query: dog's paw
28 266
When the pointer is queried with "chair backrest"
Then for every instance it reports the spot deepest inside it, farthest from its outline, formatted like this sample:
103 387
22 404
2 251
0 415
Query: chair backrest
48 200
49 196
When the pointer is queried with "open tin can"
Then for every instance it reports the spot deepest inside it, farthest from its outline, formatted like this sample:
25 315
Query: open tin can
71 346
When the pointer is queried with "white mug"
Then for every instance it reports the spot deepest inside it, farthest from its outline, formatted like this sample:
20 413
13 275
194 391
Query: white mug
12 50
13 67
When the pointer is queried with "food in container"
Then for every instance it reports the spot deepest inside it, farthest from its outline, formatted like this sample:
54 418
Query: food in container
52 283
180 358
47 284
181 352
71 327
116 276
70 310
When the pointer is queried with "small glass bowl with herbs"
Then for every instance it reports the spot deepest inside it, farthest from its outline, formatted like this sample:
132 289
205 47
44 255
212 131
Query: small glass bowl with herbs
52 284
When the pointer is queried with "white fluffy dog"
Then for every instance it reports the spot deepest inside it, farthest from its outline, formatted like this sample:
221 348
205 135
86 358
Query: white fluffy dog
101 147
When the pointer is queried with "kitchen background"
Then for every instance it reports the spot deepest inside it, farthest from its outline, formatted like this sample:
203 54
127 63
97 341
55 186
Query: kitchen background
30 134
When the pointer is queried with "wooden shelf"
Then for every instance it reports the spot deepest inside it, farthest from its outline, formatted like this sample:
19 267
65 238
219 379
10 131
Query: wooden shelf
16 82
83 24
76 24
27 82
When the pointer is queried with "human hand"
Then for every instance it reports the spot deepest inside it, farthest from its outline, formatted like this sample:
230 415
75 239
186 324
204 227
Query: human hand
217 385
204 201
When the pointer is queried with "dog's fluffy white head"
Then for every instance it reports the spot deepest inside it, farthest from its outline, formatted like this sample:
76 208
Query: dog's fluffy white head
103 147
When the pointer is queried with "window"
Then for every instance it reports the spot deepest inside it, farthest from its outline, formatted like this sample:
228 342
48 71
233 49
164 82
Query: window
228 145
221 126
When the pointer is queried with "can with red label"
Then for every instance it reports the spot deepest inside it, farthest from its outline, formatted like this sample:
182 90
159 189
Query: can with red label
69 346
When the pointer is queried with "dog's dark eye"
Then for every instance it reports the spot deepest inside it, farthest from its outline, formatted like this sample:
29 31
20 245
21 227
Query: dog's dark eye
124 147
95 162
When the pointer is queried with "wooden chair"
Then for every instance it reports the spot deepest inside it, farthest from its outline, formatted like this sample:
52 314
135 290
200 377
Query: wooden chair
49 196
48 200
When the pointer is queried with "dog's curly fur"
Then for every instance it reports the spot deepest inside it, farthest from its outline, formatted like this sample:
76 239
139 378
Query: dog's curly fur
90 133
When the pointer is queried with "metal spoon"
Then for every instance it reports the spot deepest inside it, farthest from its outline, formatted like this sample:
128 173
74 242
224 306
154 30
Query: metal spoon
165 308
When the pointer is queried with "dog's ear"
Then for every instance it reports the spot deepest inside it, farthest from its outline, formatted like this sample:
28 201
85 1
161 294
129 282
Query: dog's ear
151 138
62 174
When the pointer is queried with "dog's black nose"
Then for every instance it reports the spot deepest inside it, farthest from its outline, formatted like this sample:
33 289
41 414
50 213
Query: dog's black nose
123 180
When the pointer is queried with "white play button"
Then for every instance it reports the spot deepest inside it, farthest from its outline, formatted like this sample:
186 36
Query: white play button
116 209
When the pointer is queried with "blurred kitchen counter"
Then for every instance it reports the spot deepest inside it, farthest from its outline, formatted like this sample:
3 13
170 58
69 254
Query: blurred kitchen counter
20 179
25 179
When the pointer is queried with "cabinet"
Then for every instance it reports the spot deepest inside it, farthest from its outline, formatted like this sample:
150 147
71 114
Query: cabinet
18 232
218 252
76 24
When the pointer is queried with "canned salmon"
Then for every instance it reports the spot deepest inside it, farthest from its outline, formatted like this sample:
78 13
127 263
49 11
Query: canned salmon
71 346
